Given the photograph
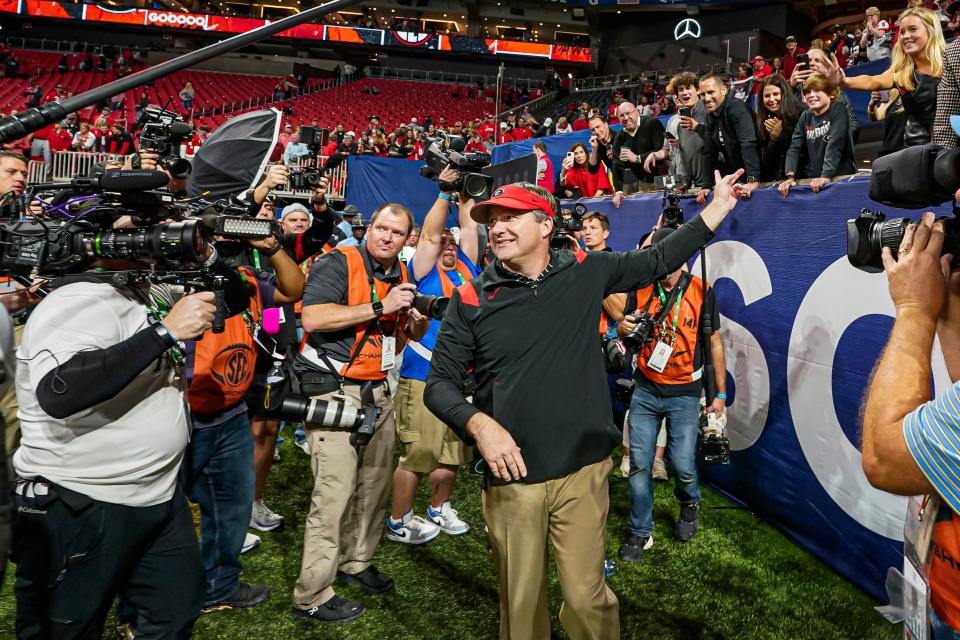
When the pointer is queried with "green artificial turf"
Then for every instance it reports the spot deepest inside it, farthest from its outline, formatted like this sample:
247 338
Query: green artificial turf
738 579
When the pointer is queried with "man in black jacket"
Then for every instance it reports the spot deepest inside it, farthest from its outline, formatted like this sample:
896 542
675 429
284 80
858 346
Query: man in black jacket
640 136
729 137
527 325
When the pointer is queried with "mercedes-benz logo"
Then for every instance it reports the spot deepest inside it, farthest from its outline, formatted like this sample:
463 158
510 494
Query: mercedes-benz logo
686 28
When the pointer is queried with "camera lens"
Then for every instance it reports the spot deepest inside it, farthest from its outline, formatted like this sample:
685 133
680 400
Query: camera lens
867 236
174 242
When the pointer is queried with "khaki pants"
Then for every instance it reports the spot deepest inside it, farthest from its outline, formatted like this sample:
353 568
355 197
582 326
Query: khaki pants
424 440
572 510
349 501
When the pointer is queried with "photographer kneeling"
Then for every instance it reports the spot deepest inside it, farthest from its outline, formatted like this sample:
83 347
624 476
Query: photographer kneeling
357 310
910 441
668 385
98 508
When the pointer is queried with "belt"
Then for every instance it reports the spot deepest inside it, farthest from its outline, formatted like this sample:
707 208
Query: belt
325 377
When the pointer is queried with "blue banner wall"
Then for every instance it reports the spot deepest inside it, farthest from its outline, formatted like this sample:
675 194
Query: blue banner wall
802 331
376 181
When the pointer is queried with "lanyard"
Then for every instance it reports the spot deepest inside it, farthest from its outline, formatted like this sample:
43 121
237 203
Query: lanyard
676 308
256 259
459 276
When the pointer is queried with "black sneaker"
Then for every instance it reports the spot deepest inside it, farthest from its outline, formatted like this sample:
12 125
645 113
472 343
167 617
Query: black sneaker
370 580
334 610
689 521
633 546
244 596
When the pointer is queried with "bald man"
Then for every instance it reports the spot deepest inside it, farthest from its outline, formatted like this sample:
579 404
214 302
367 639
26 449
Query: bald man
640 136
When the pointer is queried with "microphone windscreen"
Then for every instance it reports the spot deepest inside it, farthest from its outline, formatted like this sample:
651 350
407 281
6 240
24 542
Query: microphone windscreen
271 320
139 180
180 130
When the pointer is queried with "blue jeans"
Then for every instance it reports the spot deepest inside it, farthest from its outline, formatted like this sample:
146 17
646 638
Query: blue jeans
217 473
647 410
941 630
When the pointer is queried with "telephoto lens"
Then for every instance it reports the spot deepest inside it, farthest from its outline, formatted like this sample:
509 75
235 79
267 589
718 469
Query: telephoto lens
180 242
869 233
432 307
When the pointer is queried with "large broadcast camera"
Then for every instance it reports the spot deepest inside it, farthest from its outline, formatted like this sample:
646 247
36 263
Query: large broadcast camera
163 132
566 226
915 178
472 183
67 237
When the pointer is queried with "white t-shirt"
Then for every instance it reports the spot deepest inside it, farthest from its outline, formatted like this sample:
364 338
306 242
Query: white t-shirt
126 450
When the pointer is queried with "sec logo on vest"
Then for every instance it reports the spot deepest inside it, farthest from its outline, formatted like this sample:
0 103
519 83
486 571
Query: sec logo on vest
233 366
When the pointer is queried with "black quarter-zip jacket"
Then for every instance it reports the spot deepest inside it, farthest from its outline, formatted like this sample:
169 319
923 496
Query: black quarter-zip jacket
535 354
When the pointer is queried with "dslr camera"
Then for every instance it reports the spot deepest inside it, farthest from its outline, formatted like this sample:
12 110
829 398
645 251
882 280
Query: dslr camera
472 183
163 132
914 178
303 178
671 214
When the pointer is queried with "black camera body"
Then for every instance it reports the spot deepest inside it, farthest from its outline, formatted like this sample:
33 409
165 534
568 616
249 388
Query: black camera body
472 183
303 178
871 231
671 215
565 226
163 132
432 307
642 334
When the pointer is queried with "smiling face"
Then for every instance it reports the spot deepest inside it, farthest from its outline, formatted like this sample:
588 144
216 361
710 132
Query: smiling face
600 129
817 99
712 93
771 98
913 35
515 235
687 96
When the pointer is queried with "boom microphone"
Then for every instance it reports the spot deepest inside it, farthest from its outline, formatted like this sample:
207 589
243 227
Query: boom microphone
114 180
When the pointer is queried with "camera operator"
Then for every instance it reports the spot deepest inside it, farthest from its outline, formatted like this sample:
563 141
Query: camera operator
357 310
217 473
122 471
682 147
523 325
13 174
668 386
729 137
640 136
427 446
909 439
304 234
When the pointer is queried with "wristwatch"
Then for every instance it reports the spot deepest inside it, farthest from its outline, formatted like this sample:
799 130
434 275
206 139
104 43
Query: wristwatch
272 251
164 333
378 308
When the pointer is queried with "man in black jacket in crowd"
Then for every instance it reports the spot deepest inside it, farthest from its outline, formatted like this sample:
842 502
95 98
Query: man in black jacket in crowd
640 136
541 416
729 136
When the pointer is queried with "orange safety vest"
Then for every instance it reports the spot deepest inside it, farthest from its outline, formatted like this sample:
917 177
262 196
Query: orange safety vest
448 284
366 356
679 369
223 362
945 570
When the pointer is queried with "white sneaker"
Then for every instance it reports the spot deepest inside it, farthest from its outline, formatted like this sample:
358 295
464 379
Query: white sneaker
660 470
263 519
447 519
250 542
303 446
411 530
276 455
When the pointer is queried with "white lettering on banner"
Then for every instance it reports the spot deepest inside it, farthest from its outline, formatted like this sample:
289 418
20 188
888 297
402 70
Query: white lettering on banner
745 360
837 298
176 19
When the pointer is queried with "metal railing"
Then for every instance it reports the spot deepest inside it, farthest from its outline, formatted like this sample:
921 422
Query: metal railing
623 79
337 176
392 73
535 106
67 164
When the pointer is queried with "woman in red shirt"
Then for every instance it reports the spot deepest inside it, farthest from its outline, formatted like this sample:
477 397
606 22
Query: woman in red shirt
575 175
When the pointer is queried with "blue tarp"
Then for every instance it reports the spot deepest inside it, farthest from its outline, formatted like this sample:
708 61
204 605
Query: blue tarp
802 331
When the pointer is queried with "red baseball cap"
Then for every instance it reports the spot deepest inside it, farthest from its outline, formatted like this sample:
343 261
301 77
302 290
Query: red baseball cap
511 196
